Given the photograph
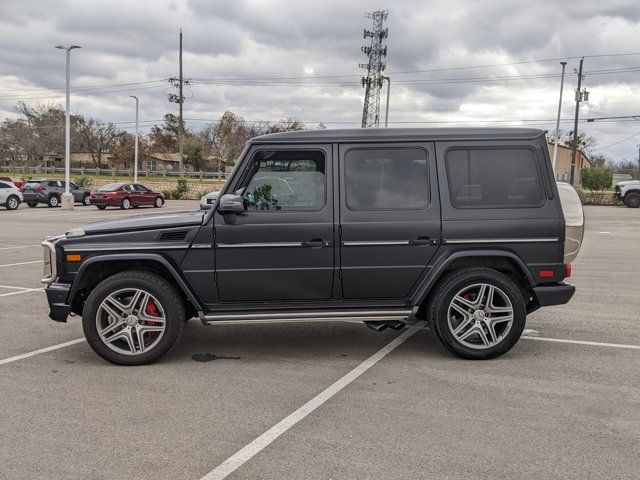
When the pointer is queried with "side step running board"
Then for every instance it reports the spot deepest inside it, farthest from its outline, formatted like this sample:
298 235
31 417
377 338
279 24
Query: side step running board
309 316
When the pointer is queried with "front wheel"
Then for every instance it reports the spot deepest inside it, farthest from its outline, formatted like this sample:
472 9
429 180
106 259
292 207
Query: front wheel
477 313
86 200
159 202
53 201
133 318
632 200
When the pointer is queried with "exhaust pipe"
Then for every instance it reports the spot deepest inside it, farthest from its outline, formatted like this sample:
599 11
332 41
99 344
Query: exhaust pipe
379 326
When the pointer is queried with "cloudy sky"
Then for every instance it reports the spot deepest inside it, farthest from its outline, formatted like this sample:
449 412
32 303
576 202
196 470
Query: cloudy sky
451 62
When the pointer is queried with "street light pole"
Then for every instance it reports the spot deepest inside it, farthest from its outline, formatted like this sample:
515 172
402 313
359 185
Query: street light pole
386 113
67 197
555 146
135 165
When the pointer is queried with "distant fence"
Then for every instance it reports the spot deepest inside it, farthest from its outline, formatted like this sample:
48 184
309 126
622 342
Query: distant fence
113 172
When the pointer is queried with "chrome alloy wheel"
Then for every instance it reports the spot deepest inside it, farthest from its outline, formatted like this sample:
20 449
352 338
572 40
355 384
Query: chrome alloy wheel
480 316
130 321
13 203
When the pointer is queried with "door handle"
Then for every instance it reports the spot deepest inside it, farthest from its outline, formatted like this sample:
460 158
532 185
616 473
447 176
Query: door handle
314 243
422 241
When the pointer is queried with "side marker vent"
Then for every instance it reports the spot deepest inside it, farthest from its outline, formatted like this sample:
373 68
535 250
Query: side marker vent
173 236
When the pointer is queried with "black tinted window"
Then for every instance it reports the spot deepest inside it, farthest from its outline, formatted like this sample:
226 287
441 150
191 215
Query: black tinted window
286 180
386 179
493 178
4 185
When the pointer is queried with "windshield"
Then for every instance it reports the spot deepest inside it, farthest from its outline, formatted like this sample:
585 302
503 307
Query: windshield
110 187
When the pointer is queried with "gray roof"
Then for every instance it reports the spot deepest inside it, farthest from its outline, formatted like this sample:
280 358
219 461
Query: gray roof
396 134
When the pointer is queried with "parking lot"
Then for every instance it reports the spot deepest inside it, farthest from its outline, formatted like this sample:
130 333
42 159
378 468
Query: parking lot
563 403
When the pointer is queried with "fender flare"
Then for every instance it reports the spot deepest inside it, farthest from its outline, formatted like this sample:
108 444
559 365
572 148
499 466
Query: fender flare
426 284
125 257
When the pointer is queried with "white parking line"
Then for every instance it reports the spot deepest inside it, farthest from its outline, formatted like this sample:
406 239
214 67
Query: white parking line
21 263
21 246
4 361
25 290
232 463
583 342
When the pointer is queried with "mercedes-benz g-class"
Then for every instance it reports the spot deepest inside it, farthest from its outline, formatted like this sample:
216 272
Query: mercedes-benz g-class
461 229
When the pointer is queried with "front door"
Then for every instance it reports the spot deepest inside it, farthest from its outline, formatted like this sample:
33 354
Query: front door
389 218
281 248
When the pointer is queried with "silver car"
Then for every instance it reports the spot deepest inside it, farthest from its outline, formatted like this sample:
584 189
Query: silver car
10 196
208 200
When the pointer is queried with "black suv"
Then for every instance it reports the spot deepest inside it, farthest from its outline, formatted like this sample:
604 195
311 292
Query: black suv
461 229
50 190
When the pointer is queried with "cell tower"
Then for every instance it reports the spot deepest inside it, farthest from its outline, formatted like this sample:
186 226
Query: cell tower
373 81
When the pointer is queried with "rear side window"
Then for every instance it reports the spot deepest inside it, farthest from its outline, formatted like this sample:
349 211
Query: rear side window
4 185
493 178
386 179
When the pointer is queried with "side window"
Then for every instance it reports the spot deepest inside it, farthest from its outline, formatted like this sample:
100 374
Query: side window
4 185
140 188
53 184
72 186
498 178
288 180
386 179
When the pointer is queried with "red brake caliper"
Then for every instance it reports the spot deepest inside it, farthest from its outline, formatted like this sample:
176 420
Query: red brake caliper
152 310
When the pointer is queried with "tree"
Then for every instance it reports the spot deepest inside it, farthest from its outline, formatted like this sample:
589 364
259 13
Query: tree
164 138
193 150
124 148
99 138
597 180
584 142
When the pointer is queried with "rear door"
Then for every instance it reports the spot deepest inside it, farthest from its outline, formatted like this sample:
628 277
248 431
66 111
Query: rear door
5 190
389 217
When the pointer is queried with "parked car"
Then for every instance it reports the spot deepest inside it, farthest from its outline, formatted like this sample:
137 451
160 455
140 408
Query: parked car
460 229
10 195
17 183
208 200
125 196
628 192
50 191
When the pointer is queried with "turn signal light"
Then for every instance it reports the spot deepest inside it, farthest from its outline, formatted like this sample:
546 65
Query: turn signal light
73 258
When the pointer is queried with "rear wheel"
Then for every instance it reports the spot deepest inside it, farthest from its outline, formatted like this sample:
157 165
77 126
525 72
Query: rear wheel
477 313
126 204
632 199
86 200
53 201
133 318
13 202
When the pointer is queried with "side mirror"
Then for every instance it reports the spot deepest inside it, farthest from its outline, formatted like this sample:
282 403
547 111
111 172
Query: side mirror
231 203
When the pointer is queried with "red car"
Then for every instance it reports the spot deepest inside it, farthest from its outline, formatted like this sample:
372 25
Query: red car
125 196
18 184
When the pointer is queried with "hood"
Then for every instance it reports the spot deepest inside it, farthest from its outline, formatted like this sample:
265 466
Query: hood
143 222
628 182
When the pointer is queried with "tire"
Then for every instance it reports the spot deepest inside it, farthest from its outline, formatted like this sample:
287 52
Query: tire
126 203
632 199
447 317
158 202
53 201
13 203
167 303
86 200
101 207
32 204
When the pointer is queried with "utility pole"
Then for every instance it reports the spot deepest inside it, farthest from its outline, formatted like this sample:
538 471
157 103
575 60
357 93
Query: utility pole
135 162
375 66
67 197
181 97
581 96
555 146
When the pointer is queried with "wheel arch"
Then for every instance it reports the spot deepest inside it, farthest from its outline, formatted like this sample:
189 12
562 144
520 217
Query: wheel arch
503 261
96 269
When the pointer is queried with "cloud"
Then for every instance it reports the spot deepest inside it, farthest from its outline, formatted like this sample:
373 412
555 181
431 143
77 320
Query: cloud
263 41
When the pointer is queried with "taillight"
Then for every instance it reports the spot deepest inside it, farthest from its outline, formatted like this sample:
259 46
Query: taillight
39 187
567 270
